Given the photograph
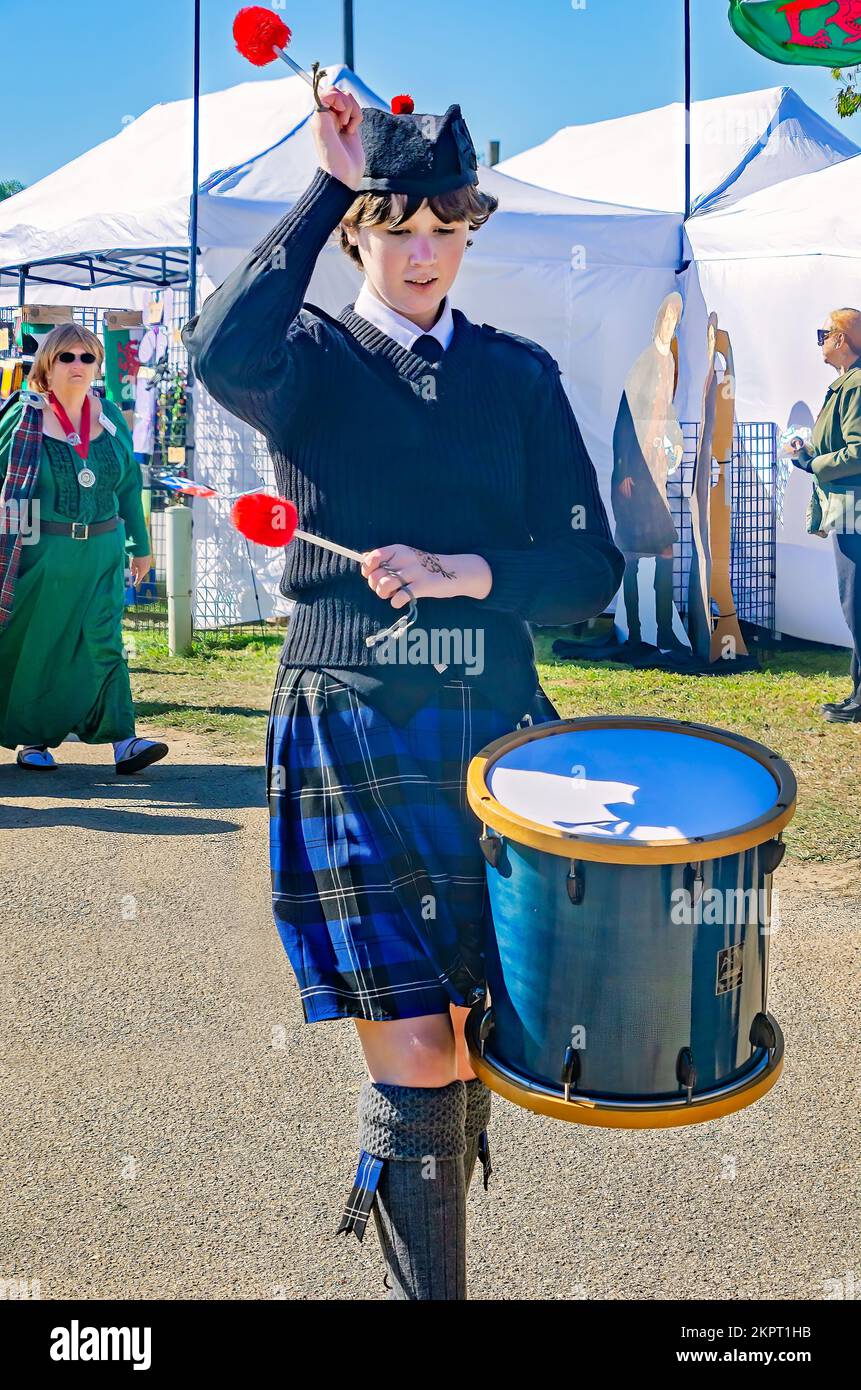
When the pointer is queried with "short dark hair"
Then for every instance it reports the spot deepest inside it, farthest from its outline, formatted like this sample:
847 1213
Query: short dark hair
466 204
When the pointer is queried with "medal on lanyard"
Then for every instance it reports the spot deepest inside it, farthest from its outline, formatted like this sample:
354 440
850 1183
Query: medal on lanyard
79 442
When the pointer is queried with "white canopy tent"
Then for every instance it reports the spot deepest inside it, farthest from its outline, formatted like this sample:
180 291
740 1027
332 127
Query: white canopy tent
128 197
772 266
584 279
739 144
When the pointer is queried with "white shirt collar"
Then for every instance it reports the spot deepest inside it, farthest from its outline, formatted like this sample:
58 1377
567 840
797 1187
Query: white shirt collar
395 326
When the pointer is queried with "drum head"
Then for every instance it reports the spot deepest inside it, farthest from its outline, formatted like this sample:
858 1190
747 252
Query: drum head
629 785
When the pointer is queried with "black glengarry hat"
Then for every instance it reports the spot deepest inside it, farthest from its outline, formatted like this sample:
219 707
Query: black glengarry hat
407 151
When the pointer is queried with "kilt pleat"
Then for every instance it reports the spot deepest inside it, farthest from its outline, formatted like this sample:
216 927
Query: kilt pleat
378 881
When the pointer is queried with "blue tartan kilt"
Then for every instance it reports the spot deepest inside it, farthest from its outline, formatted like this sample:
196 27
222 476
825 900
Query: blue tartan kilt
378 881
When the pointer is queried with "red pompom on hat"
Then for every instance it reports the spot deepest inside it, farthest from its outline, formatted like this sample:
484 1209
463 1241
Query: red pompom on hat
403 105
265 519
258 32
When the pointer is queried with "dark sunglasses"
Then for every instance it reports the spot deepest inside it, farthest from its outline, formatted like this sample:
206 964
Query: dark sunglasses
823 334
88 357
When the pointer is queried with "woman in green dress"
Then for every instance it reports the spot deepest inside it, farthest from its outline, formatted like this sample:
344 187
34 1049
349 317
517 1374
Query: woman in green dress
70 492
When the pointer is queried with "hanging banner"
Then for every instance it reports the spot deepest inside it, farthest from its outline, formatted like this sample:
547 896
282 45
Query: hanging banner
121 363
826 33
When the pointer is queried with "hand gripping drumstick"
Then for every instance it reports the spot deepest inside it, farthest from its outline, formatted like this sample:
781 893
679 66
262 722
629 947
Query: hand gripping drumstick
269 520
261 36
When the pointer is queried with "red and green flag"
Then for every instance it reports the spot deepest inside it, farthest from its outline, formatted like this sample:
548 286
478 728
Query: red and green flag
823 32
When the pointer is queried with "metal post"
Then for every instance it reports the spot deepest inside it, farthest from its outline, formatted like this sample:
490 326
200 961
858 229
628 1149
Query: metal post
492 153
687 109
349 57
192 248
177 525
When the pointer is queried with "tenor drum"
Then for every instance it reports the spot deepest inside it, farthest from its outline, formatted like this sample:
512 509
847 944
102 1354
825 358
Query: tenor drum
629 867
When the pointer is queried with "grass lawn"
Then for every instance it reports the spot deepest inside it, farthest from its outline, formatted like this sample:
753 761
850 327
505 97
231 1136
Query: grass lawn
224 689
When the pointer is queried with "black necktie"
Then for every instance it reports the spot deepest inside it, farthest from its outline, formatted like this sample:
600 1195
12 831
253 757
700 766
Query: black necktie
428 347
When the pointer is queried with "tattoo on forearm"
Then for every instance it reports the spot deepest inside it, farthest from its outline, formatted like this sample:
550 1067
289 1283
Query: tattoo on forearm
432 563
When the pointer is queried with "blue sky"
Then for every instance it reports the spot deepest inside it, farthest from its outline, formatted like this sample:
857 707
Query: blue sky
519 70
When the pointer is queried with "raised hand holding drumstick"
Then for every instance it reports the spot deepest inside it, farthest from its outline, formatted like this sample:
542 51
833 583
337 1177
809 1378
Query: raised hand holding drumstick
336 136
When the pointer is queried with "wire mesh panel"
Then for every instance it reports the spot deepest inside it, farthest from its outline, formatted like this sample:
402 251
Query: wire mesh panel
753 536
233 580
753 546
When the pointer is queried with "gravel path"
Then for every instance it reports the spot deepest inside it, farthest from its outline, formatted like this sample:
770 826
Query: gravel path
171 1128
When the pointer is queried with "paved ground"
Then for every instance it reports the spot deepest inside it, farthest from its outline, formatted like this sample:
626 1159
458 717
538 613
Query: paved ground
170 1127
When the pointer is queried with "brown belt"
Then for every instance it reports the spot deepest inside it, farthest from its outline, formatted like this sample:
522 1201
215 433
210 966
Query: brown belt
78 530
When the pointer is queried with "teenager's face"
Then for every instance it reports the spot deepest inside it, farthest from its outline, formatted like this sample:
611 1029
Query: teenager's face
395 259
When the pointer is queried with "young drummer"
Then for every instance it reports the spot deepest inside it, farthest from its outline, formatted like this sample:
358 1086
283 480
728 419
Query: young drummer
447 453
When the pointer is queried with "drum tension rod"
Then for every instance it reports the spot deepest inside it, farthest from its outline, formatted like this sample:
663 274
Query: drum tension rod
570 1069
686 1072
762 1034
575 883
693 876
485 1028
491 847
771 854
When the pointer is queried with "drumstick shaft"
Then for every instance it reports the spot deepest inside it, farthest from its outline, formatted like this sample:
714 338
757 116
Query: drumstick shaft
328 545
300 72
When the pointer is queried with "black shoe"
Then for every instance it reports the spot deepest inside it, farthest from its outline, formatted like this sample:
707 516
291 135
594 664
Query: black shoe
137 758
849 713
669 642
837 704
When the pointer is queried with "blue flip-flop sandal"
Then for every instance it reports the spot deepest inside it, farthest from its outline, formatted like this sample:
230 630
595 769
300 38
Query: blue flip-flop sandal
36 760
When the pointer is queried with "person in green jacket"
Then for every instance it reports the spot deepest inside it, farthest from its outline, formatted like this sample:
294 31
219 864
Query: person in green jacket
70 491
833 456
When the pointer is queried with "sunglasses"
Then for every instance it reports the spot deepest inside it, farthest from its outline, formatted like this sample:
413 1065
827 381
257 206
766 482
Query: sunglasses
823 334
88 357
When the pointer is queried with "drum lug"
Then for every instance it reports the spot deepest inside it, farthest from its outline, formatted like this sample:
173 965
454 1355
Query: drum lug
491 848
575 883
771 854
485 1028
686 1072
570 1069
693 875
762 1033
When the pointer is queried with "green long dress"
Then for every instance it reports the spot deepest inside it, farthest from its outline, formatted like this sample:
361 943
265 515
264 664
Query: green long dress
62 668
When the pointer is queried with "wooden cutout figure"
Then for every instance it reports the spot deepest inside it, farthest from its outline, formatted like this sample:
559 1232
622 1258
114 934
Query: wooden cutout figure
727 641
699 580
648 445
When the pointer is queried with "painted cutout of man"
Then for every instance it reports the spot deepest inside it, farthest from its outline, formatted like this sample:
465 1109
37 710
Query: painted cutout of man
648 446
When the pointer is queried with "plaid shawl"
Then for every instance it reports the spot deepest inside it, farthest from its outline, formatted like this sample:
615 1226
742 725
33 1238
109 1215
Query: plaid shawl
21 476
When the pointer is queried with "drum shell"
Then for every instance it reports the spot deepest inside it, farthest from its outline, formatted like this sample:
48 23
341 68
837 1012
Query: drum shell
641 985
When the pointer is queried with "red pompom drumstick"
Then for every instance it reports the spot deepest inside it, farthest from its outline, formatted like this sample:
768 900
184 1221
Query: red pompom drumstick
272 521
269 520
261 36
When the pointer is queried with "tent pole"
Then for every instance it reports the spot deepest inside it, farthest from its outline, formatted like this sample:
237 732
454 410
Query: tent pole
349 61
192 249
687 109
